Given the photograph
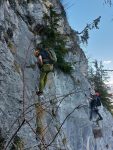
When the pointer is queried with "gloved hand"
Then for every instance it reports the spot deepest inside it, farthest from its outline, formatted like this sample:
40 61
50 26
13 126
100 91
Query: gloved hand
39 66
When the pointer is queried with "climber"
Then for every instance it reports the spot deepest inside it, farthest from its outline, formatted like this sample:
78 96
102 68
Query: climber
46 59
94 104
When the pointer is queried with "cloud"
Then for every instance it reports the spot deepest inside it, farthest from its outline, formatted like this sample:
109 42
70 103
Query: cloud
107 62
110 82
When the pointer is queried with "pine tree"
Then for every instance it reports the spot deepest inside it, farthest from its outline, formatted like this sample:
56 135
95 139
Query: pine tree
98 77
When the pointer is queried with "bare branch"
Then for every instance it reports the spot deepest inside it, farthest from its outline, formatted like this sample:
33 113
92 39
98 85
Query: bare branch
79 106
14 135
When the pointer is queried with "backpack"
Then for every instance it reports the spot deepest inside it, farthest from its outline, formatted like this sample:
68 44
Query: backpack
52 56
95 102
98 102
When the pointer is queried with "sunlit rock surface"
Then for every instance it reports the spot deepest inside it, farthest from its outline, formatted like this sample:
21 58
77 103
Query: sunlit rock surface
62 124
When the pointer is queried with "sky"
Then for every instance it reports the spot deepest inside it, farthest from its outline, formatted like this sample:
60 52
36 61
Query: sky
100 43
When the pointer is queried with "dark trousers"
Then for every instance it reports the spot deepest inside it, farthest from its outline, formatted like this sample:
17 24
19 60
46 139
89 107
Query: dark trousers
95 110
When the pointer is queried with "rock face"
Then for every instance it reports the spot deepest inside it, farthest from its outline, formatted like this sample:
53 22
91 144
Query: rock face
59 120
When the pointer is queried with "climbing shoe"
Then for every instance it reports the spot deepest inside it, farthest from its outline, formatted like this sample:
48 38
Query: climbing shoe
39 93
100 118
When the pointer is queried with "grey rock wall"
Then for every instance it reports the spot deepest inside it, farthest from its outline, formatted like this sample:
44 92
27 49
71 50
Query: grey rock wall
65 125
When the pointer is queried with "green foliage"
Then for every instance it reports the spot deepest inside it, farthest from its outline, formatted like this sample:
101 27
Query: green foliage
12 4
10 45
31 1
98 77
63 13
52 38
109 2
29 19
17 144
84 35
64 141
17 67
1 2
10 33
2 141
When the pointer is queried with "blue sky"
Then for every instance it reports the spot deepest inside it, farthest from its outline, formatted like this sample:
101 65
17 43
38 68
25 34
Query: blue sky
100 44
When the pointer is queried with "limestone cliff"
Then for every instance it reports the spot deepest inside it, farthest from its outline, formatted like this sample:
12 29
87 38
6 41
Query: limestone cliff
60 120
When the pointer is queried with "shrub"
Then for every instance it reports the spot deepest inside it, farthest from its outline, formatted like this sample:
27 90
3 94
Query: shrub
17 144
2 141
52 38
97 76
